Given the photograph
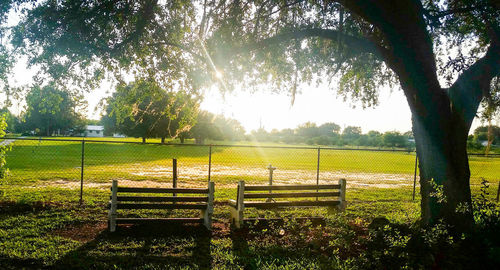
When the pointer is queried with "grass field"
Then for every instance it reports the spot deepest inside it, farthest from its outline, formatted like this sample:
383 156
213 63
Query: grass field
43 226
32 161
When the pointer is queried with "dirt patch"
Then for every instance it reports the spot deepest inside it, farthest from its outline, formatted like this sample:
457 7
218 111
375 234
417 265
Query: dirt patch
189 177
84 233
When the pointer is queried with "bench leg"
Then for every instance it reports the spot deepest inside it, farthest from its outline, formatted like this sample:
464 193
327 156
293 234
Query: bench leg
112 222
341 207
207 219
112 208
236 217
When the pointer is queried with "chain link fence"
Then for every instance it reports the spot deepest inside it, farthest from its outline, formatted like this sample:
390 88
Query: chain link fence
91 164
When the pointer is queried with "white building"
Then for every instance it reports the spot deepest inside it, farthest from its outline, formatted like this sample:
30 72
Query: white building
94 131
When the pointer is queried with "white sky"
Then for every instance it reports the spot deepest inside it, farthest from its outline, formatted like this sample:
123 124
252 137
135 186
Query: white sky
314 104
318 105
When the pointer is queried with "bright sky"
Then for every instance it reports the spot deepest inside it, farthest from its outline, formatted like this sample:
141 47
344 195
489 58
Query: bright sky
315 104
318 105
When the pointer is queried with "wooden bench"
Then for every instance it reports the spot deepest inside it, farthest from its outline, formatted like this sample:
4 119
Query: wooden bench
332 196
204 202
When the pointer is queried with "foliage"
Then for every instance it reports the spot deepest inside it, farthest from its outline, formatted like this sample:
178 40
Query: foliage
394 139
50 110
144 109
398 246
481 134
12 121
3 148
205 128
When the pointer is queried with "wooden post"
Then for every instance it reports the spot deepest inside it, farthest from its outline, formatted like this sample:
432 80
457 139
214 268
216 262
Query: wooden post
317 172
209 161
271 169
317 169
81 171
174 177
240 205
343 203
207 214
112 208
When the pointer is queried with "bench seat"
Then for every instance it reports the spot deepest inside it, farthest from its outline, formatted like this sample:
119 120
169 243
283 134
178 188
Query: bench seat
202 200
332 196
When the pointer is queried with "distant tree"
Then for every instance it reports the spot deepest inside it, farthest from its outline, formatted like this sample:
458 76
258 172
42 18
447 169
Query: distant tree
49 109
230 129
394 139
13 122
350 134
179 117
375 138
481 133
323 140
93 122
329 129
144 109
205 128
260 135
308 130
3 148
363 140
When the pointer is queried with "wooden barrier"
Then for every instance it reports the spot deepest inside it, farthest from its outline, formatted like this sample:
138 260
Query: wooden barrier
204 202
245 193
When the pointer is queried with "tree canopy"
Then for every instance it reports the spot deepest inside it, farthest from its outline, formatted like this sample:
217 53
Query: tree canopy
444 55
144 109
50 110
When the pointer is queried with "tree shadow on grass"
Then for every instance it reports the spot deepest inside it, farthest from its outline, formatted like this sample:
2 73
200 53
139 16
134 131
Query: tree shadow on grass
273 244
68 155
143 246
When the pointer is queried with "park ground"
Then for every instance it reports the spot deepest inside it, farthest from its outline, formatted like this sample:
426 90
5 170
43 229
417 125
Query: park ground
43 225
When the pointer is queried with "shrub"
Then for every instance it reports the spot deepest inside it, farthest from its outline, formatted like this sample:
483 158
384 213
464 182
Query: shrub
412 246
3 148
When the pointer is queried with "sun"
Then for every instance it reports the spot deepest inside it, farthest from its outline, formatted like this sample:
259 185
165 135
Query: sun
218 75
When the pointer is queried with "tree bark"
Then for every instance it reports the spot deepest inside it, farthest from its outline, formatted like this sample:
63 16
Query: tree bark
441 117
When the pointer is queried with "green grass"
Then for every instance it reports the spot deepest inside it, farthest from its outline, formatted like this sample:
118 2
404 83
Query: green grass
47 160
45 227
42 226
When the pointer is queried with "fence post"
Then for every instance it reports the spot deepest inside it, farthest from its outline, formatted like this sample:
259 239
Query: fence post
174 177
271 169
415 175
209 161
174 171
317 172
81 171
317 168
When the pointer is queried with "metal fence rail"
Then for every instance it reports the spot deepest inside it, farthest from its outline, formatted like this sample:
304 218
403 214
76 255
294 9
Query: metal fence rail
92 163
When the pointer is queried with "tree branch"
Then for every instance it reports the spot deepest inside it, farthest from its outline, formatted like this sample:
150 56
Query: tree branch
356 44
182 47
474 84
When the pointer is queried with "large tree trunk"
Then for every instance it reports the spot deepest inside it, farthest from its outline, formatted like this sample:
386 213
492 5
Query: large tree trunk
444 171
441 117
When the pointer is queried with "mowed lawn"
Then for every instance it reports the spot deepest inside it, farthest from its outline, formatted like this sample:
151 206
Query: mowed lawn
43 226
32 160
